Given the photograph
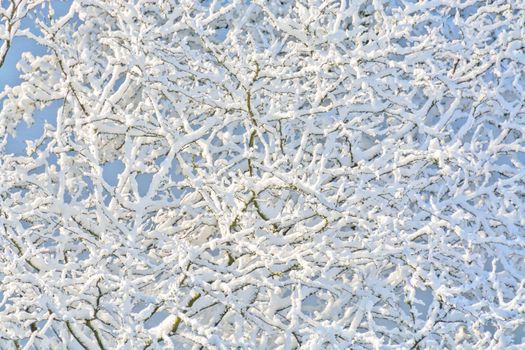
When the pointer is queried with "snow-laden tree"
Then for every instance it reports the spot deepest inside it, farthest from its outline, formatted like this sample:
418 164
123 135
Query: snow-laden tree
291 174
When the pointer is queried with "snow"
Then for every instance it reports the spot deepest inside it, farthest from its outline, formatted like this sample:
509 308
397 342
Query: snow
263 175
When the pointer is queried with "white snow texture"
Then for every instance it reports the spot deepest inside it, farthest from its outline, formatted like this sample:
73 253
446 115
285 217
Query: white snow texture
264 174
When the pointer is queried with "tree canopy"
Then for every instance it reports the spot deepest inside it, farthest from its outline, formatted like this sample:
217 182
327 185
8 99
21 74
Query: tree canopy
265 175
